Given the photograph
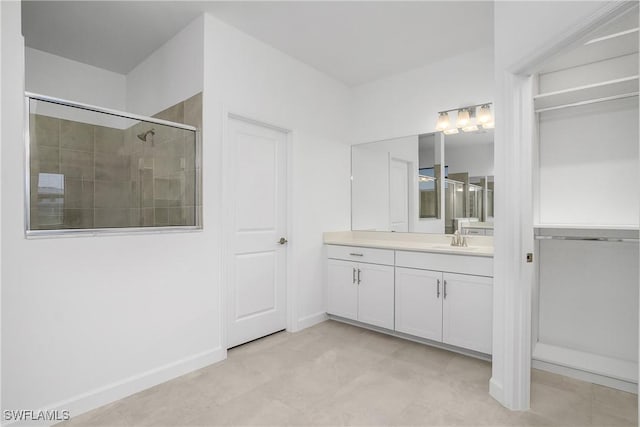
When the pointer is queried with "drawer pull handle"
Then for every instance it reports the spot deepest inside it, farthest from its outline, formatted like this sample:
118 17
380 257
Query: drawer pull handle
358 276
444 294
354 275
355 254
438 289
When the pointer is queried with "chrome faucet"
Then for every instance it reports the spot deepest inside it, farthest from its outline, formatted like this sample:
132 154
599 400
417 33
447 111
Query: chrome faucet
458 240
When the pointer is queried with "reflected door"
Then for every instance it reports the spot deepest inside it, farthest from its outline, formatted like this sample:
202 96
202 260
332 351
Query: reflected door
257 267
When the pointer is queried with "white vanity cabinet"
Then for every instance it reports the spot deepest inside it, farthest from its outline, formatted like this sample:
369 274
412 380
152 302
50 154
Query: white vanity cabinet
445 298
440 297
361 284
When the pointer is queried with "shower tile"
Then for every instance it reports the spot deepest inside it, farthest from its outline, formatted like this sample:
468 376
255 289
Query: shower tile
176 216
135 217
112 167
161 192
169 142
147 188
112 217
161 216
78 193
45 160
174 113
76 164
189 188
112 194
190 152
168 165
77 218
45 131
76 136
193 111
148 217
109 140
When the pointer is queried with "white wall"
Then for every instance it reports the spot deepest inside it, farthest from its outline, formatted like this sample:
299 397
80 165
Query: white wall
475 159
91 319
52 75
247 77
171 74
408 103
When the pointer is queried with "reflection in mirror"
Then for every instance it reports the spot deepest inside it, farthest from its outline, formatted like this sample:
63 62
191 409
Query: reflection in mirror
429 177
469 183
401 184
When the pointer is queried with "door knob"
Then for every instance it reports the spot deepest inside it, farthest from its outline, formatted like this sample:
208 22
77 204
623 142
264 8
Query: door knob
282 241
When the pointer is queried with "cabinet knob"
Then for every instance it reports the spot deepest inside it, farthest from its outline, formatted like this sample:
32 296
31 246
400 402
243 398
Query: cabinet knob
282 241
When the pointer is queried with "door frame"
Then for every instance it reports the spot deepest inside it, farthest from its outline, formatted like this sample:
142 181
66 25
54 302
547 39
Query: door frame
513 278
227 219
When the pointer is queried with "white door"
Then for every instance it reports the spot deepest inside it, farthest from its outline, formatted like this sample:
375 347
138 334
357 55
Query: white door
399 195
256 260
419 303
342 298
467 311
375 294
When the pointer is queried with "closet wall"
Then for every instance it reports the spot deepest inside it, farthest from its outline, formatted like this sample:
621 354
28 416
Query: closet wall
586 209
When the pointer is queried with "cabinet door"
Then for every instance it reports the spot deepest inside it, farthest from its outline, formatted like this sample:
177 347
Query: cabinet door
419 303
467 311
375 295
342 289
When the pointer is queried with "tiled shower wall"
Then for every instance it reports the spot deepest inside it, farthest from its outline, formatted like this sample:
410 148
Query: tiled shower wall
105 177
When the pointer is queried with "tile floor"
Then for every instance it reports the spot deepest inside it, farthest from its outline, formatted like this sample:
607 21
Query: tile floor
335 374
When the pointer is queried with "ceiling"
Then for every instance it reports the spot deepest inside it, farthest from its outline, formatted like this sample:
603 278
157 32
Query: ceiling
354 42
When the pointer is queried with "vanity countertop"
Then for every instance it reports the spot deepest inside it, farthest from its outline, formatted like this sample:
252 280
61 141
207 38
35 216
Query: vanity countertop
417 242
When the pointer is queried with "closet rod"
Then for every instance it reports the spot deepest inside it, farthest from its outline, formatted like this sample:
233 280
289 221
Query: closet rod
589 239
590 101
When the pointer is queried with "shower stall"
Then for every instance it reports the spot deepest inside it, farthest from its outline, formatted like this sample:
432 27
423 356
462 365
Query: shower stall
91 169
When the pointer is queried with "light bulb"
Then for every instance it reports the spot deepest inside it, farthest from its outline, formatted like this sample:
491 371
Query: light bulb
443 121
451 131
463 118
484 114
489 125
470 128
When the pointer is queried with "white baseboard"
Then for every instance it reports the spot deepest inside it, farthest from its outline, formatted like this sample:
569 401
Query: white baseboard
314 319
591 363
578 374
496 391
101 396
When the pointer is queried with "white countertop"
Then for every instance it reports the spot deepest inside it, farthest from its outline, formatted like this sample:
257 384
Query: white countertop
418 242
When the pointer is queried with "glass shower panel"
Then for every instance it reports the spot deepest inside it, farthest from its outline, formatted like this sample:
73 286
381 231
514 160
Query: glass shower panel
90 169
475 201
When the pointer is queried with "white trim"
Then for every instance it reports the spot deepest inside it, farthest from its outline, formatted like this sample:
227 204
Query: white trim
597 364
95 398
311 320
227 216
578 374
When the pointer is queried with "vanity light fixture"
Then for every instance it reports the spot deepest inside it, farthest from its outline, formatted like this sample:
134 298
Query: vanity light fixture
484 114
443 121
468 119
463 118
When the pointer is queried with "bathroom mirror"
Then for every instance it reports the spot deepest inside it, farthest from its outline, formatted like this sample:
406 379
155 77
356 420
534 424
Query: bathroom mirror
468 176
429 183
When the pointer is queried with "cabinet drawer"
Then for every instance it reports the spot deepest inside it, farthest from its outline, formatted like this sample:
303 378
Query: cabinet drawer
359 254
476 265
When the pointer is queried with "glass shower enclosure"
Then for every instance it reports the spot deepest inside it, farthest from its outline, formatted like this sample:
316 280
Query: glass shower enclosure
91 169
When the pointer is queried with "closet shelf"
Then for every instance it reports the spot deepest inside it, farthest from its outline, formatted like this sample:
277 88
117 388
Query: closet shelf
625 227
582 95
